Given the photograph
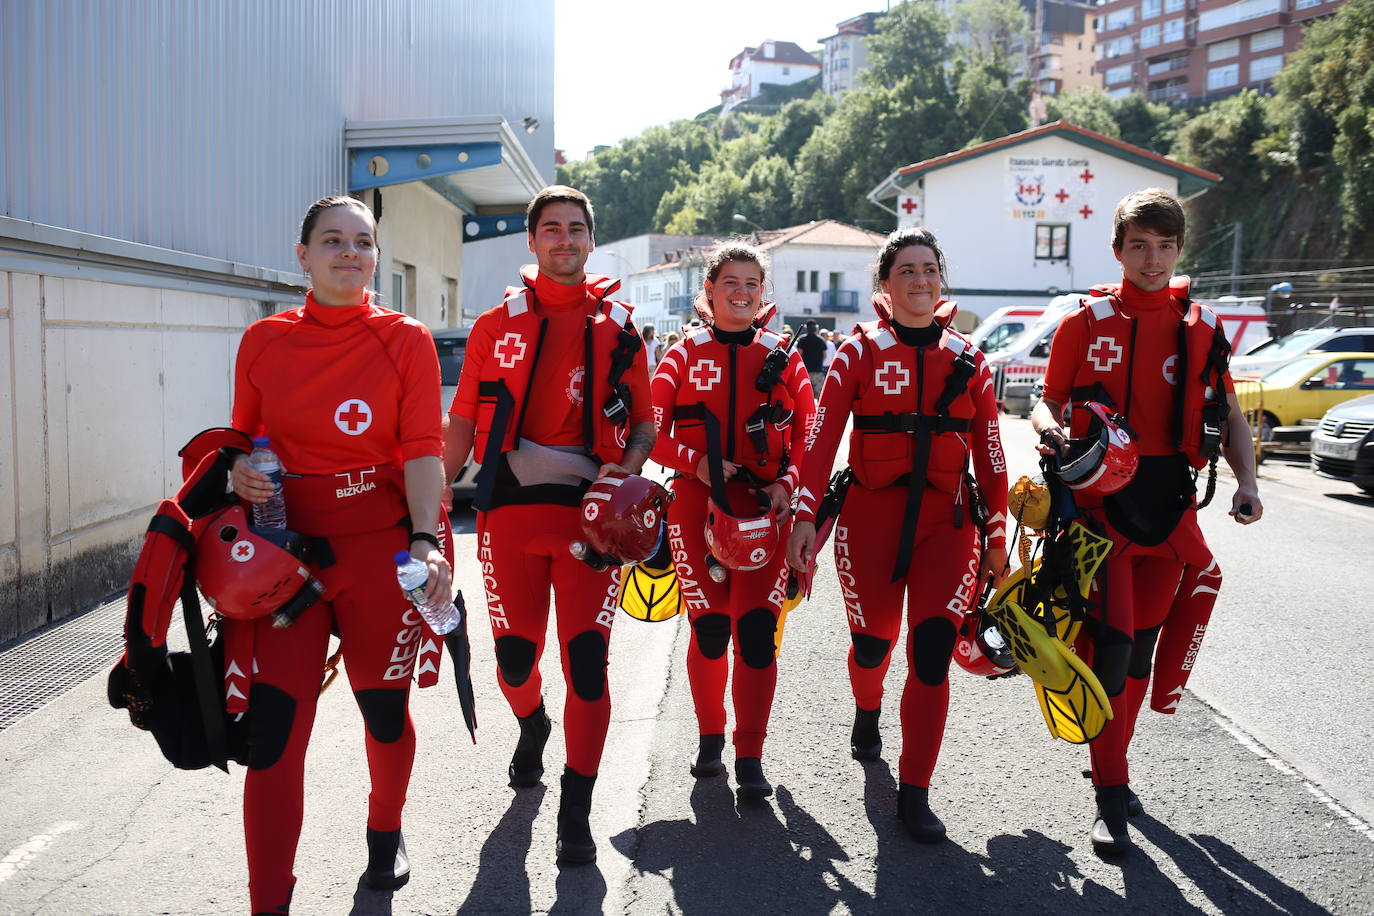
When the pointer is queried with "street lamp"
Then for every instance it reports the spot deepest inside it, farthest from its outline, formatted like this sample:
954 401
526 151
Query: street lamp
741 218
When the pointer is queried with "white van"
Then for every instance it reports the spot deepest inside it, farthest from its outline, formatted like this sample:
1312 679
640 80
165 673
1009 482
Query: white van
1019 366
1004 325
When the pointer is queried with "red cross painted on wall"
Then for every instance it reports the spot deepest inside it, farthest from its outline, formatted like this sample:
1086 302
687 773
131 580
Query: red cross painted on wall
354 416
909 205
1062 195
1086 211
1087 176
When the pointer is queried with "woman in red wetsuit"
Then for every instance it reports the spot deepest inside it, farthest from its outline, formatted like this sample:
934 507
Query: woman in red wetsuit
349 394
712 378
923 407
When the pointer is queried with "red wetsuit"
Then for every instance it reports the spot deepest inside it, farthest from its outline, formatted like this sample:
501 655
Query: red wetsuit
347 395
524 535
716 371
876 373
1166 579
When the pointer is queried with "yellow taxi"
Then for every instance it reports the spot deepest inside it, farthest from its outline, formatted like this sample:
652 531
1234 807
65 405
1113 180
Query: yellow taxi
1306 388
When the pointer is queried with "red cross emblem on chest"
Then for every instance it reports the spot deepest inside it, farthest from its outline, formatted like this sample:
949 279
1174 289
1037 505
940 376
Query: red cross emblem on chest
1105 353
705 375
353 417
510 350
893 377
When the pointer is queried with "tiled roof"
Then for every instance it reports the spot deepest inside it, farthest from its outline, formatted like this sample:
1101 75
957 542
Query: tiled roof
784 52
821 232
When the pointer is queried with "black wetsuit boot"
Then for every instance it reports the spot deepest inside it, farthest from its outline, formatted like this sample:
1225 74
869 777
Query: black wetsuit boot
1109 834
708 757
575 843
388 867
913 809
750 784
527 763
865 741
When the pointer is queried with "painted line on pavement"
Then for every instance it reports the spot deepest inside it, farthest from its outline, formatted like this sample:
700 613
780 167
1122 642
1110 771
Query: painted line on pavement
1250 743
22 856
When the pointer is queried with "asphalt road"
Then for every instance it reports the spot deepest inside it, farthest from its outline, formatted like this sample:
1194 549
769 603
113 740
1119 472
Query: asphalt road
1257 791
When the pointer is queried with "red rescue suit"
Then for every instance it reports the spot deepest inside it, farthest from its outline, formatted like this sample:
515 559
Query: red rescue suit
347 395
892 389
1160 583
710 377
526 376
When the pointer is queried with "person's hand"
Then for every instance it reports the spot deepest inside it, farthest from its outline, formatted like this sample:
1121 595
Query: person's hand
439 585
779 499
1246 507
611 467
800 546
704 470
1052 439
993 566
250 484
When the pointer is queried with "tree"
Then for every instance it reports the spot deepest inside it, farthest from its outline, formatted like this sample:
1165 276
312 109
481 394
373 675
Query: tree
991 30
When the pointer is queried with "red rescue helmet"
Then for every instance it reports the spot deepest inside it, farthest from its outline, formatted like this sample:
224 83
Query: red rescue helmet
244 575
743 543
624 516
1102 461
980 649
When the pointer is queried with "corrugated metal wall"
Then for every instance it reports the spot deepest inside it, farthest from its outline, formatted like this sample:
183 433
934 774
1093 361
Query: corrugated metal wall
208 126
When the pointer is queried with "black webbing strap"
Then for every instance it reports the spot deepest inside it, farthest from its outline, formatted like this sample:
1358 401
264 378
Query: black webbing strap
620 399
589 368
208 680
715 459
833 500
1181 382
162 524
491 457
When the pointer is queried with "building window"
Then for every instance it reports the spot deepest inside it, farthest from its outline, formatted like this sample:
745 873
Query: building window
1120 18
835 279
1149 9
451 289
815 281
1173 6
1263 41
1149 36
1237 12
1120 74
1119 93
1265 68
398 289
801 281
1308 4
1173 30
1116 47
1223 77
1052 242
1221 50
786 71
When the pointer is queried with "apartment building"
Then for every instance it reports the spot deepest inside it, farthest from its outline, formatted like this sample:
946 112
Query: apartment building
1175 50
844 55
1063 60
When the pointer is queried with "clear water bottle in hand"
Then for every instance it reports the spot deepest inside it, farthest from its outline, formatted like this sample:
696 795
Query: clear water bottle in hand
413 574
271 514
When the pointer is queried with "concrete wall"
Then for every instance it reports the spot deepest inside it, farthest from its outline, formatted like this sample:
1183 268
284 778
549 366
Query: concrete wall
421 230
855 266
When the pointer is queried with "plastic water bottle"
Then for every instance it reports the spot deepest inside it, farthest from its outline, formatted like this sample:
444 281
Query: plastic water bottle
413 574
271 514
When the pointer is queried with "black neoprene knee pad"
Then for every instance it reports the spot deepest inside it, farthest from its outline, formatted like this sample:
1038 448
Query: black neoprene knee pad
713 634
870 651
1111 659
515 658
932 646
272 712
384 712
587 665
1143 653
757 629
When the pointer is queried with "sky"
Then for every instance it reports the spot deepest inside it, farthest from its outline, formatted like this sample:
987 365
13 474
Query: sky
623 65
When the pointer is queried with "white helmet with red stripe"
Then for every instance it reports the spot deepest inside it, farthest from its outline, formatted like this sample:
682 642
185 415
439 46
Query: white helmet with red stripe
1102 461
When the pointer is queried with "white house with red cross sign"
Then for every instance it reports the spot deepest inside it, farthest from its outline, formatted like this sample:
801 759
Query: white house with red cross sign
1029 216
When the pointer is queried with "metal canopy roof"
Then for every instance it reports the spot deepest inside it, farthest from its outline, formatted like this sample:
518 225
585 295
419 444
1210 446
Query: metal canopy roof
477 163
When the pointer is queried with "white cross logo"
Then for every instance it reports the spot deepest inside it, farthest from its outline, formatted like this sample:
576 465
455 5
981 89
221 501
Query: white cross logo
353 417
893 377
357 478
510 350
705 375
1170 368
1105 353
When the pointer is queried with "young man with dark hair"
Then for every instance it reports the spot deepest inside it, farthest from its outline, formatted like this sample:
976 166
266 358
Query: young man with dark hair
554 394
1158 360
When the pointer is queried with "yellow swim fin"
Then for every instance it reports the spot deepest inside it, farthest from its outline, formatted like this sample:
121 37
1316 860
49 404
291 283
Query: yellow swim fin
649 594
791 598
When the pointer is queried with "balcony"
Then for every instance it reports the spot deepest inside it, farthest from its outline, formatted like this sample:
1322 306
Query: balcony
1168 65
680 305
1176 93
840 300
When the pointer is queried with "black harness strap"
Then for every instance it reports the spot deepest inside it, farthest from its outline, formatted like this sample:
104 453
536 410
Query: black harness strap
619 401
770 411
491 457
208 681
589 367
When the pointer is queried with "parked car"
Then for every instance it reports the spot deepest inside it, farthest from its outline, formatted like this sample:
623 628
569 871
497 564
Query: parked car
1276 352
1002 326
1343 443
451 345
1307 387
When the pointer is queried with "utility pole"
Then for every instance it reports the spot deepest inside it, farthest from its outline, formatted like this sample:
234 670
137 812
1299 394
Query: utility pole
1235 258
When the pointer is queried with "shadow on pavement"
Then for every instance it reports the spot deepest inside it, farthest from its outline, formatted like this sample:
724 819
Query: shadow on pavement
580 889
367 902
502 885
744 860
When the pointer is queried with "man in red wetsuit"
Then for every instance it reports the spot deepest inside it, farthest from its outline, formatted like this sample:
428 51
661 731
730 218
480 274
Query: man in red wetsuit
1147 352
554 393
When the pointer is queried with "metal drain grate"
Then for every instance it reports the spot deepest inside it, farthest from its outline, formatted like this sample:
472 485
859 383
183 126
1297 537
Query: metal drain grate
43 666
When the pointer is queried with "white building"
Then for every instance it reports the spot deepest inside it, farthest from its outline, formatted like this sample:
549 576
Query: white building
779 62
155 161
844 55
627 256
1029 215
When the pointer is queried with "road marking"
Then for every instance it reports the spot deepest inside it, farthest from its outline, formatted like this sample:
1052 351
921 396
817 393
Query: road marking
1249 742
23 855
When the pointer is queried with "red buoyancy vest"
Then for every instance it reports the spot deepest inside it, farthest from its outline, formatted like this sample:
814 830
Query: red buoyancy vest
899 374
720 378
1201 363
506 374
